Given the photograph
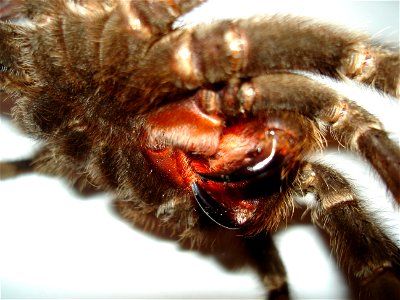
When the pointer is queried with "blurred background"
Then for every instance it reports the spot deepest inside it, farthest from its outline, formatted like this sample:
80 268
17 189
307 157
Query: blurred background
57 244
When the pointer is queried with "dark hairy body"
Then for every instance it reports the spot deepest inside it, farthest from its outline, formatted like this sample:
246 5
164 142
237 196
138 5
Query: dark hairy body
198 116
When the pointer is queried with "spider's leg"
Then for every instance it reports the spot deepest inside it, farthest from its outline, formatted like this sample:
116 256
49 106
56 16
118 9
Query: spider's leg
361 247
247 48
384 74
168 9
362 132
46 162
7 8
14 168
12 75
72 45
267 261
351 125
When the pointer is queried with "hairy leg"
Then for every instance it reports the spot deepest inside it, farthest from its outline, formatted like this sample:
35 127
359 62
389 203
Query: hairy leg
243 49
129 35
269 265
14 168
363 250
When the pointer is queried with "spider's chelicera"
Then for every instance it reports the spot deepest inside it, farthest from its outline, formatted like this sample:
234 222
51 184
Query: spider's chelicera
204 130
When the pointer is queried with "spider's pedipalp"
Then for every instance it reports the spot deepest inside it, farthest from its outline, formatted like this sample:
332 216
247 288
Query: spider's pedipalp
292 92
360 246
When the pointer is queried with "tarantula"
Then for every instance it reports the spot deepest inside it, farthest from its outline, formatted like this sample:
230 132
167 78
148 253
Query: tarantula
204 133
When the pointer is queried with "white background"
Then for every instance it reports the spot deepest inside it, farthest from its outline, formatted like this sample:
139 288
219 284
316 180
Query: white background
56 244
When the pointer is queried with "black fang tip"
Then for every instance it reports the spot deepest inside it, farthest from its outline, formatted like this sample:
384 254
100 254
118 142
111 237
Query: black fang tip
212 208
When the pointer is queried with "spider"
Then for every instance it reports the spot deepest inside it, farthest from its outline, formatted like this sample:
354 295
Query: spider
221 131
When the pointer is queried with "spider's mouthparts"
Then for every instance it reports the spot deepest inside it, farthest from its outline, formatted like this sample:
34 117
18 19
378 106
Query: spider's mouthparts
230 200
258 170
230 165
213 209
